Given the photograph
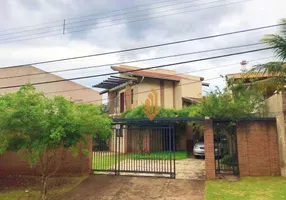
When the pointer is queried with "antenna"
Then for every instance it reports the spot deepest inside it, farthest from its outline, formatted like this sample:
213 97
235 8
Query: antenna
244 66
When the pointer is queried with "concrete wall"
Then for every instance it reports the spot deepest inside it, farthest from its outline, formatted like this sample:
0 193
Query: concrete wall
257 145
276 108
70 90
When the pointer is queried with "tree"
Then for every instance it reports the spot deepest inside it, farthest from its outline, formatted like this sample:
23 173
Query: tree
275 71
234 102
38 128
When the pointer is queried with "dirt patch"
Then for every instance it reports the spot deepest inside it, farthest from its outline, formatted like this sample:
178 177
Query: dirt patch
121 187
20 182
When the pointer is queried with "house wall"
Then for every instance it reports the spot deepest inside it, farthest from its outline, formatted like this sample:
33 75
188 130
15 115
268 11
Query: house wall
68 89
144 88
178 96
191 88
168 94
276 108
257 145
119 144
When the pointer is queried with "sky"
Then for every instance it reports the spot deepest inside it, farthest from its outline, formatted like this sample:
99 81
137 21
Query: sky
101 26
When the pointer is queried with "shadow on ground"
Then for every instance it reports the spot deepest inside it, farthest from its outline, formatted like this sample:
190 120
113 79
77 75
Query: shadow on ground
123 187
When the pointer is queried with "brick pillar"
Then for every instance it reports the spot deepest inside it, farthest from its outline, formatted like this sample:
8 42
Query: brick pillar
111 100
209 149
128 97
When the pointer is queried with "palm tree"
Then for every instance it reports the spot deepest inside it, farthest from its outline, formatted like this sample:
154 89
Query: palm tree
271 76
278 42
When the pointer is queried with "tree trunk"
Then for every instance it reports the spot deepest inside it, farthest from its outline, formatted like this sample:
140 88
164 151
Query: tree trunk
44 187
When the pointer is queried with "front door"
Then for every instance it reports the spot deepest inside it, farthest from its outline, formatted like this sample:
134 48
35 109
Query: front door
122 102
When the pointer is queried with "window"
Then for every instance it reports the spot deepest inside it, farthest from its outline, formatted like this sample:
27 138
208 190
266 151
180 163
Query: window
122 102
132 96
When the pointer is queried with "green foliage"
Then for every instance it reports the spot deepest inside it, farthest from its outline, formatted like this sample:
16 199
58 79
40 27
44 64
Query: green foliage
163 112
229 159
34 125
278 41
232 103
275 70
160 155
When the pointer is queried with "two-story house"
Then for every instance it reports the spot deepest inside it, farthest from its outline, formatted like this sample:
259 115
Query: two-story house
133 86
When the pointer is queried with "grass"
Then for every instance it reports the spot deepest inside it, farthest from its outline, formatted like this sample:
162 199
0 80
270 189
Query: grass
248 188
162 155
104 162
32 192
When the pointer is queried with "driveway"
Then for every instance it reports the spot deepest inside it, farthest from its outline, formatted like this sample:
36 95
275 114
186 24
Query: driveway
127 188
190 168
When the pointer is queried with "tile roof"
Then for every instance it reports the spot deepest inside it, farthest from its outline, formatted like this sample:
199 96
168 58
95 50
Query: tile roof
250 75
152 73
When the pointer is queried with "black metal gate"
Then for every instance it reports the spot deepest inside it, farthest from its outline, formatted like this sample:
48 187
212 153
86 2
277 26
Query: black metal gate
225 144
136 150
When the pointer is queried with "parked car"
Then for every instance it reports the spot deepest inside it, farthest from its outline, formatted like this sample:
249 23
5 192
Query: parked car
199 147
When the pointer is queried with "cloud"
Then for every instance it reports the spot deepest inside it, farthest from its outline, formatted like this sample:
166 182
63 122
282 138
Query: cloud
122 34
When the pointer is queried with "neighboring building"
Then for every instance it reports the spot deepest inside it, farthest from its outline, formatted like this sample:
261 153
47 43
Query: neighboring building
29 74
130 89
248 78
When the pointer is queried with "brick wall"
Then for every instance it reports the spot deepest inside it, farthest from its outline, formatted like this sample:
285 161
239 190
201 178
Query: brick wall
12 164
258 153
209 149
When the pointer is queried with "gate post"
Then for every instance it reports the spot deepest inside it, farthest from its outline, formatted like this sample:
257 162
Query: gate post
209 149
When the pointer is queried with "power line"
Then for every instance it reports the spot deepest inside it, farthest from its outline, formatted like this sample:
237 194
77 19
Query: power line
154 67
132 61
68 23
144 19
164 11
168 75
72 18
147 47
